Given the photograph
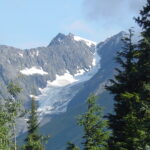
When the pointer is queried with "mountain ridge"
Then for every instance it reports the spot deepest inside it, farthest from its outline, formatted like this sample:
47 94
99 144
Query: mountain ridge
62 125
54 59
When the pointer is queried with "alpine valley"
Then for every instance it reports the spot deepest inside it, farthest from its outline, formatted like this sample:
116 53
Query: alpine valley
60 77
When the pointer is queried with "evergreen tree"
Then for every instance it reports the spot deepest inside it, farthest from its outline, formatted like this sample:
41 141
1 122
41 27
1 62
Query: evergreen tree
131 122
144 72
144 48
13 106
4 129
95 134
72 146
34 140
125 132
9 111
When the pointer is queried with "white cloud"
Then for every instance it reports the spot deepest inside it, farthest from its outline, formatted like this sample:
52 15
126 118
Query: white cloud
97 9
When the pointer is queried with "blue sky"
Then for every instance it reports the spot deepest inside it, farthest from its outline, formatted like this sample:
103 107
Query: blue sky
32 23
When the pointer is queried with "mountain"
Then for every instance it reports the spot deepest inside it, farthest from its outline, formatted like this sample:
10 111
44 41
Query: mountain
61 76
63 127
33 68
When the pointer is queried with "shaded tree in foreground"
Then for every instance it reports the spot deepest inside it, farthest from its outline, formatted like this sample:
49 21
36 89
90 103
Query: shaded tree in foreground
95 134
34 140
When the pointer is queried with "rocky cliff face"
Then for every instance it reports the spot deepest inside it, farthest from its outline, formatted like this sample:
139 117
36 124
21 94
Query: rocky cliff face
32 68
63 127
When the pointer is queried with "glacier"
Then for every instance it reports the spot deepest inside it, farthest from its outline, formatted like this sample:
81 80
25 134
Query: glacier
54 98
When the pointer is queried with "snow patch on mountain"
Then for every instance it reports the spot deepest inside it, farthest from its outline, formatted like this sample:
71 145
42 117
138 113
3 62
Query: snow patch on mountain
87 42
37 53
58 93
62 80
33 70
20 54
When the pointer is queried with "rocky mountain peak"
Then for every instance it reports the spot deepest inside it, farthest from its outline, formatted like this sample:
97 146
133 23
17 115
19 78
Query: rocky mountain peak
71 35
59 38
62 38
113 39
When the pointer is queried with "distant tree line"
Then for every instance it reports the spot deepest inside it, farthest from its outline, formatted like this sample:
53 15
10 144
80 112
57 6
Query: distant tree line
128 128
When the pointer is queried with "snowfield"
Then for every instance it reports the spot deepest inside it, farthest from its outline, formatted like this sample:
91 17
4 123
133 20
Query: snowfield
87 42
62 80
58 93
33 70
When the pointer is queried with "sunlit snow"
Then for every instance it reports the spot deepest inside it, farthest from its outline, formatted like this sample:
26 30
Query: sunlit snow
37 53
62 80
58 93
33 70
87 42
20 54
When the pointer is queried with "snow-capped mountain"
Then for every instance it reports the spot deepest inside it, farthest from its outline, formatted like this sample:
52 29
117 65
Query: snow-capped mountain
34 69
63 127
61 76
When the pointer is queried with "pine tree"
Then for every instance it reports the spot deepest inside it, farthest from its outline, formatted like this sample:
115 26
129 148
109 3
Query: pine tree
34 140
9 111
13 106
131 122
125 132
72 146
95 134
4 129
144 47
144 71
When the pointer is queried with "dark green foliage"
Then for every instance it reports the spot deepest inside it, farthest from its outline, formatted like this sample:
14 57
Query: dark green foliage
131 122
4 129
13 106
9 111
123 86
144 49
128 133
125 77
34 140
95 134
72 146
13 89
144 71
